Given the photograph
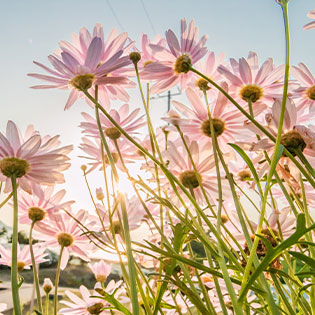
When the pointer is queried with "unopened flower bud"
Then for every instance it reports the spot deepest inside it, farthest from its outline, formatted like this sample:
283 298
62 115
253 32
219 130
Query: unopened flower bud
47 286
135 57
99 193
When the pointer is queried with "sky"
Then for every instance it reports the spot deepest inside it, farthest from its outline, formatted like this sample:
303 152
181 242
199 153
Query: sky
31 30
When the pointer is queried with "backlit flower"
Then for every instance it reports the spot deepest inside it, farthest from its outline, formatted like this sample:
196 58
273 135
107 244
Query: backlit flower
310 25
180 165
93 151
304 95
62 230
31 159
88 62
130 122
101 270
228 122
174 62
251 83
24 259
40 203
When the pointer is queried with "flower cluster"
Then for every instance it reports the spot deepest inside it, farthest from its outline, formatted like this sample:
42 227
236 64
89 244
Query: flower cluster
244 131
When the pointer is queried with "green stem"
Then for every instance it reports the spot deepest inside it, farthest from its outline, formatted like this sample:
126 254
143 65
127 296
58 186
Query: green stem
275 157
57 281
258 125
35 273
14 263
47 304
131 267
6 200
99 126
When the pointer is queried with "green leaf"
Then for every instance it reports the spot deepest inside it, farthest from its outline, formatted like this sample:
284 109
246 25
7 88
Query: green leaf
308 260
112 300
249 163
273 253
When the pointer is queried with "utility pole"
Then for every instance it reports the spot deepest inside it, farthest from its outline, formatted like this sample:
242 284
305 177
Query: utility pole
169 96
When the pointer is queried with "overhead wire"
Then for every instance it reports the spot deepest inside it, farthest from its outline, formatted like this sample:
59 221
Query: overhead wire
114 15
148 16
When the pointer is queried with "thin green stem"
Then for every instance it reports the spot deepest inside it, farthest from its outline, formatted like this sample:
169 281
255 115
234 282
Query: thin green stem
47 304
35 272
131 267
258 125
6 200
57 281
14 263
275 157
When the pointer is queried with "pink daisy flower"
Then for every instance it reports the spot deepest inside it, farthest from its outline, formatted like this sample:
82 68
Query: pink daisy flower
83 306
62 230
101 270
249 82
310 25
209 68
92 63
33 159
130 122
23 256
228 122
93 149
291 138
89 303
147 55
180 166
41 202
134 210
305 94
168 69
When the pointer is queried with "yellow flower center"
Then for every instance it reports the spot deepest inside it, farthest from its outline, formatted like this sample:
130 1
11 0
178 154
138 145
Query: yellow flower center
83 81
114 155
21 265
182 64
112 133
190 179
293 141
310 92
202 84
244 175
36 214
218 126
13 166
96 308
251 92
65 239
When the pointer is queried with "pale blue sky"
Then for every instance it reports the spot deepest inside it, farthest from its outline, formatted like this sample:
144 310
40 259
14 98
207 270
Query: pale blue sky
31 30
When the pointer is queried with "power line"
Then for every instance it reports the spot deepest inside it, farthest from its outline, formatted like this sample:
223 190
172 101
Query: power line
148 16
114 15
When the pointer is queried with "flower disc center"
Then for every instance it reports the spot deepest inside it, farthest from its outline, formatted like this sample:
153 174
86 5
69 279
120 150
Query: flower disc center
189 179
218 126
65 239
310 92
12 166
293 141
36 214
82 81
112 133
182 64
251 92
